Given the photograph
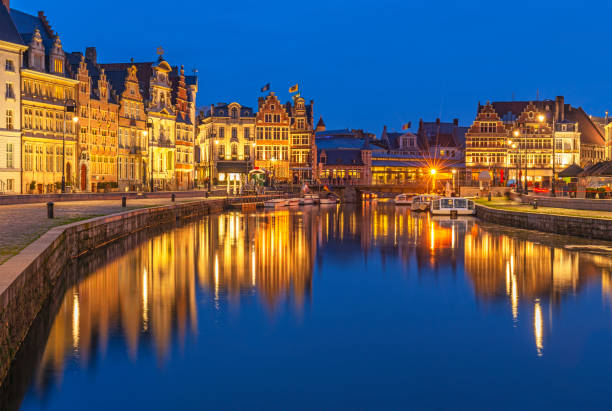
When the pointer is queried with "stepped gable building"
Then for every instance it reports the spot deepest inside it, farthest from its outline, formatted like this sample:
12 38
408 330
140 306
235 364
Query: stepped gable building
301 134
272 137
132 135
97 126
226 144
12 48
156 88
48 132
185 133
514 140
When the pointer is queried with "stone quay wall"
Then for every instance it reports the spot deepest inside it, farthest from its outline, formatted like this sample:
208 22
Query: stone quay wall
596 228
28 279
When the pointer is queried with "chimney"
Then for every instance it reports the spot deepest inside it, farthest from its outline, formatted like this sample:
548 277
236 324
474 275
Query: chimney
456 121
437 121
6 4
91 54
561 102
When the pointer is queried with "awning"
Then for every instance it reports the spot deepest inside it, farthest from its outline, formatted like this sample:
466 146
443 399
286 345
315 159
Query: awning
240 167
571 171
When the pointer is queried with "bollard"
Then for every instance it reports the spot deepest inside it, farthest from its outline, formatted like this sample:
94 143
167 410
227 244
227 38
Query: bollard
206 194
453 214
535 204
123 201
173 197
50 209
489 196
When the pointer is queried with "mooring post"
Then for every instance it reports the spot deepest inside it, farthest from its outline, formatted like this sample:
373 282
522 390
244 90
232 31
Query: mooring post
50 209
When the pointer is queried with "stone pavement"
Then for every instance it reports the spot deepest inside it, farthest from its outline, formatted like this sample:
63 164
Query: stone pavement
24 223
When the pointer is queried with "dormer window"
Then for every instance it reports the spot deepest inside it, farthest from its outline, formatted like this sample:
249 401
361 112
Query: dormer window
58 65
234 112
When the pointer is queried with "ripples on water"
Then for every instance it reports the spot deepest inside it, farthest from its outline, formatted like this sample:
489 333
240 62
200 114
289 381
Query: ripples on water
366 307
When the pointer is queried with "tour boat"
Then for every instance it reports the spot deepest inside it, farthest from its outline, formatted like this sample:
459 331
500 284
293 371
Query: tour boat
314 197
421 202
306 200
276 203
403 199
448 205
328 200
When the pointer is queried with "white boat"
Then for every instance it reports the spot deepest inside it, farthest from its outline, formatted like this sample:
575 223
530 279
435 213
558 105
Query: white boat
314 197
276 203
421 202
448 205
306 200
327 200
294 201
403 199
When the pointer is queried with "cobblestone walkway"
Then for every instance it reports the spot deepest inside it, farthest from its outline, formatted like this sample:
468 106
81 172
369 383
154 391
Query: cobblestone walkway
22 224
526 208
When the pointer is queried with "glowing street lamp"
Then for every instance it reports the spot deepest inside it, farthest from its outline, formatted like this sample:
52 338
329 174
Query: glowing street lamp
433 179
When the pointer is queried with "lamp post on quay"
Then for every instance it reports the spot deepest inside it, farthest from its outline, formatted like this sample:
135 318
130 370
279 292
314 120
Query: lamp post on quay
69 107
150 134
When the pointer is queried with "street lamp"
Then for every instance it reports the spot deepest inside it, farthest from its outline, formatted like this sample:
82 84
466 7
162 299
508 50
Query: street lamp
454 178
210 158
150 134
519 183
69 107
433 179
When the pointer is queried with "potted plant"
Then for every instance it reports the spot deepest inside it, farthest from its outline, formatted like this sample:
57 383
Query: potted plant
32 187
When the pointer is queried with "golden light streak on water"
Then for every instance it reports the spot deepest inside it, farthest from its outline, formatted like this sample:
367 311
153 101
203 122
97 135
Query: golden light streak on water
216 281
253 266
432 236
538 328
145 300
514 299
75 321
508 283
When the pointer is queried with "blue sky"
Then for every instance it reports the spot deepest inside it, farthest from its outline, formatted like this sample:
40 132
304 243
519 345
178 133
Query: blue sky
365 63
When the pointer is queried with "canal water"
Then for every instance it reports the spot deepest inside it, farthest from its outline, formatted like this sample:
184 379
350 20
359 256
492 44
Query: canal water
326 308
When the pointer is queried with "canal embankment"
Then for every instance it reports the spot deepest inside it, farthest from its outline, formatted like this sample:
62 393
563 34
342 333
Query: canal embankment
28 279
580 223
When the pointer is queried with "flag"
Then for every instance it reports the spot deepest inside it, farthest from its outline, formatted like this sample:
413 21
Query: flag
293 89
406 126
265 88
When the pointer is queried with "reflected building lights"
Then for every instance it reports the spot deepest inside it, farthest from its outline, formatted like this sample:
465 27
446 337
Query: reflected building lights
145 301
150 293
75 321
538 328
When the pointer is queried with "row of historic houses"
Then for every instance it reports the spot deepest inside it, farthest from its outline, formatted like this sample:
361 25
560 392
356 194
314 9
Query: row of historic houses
70 122
236 145
527 142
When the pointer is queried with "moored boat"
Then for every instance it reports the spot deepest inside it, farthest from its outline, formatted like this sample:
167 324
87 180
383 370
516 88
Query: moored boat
276 203
294 201
421 202
327 200
450 205
403 199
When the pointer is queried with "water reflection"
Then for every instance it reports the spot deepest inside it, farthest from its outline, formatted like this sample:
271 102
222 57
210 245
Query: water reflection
153 294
